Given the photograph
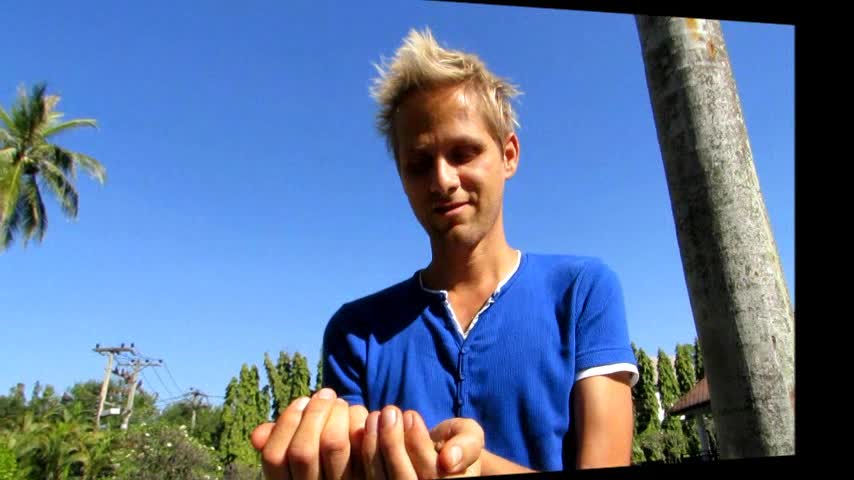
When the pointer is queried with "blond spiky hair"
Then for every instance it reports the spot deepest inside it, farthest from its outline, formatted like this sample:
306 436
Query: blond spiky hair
421 64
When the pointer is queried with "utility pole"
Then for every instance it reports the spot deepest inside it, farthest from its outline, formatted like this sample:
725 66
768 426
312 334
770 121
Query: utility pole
110 352
741 306
195 402
132 381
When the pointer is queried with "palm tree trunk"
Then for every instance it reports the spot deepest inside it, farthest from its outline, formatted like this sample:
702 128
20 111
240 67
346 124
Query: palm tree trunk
738 295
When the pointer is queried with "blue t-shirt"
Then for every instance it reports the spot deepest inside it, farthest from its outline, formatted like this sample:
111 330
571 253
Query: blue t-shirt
554 318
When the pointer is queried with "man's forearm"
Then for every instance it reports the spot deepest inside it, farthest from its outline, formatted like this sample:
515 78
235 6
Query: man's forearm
492 464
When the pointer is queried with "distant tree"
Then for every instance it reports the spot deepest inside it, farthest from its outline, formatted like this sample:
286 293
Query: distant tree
318 380
12 406
278 378
232 423
28 159
686 379
668 386
699 368
635 395
300 378
208 420
647 403
245 407
675 443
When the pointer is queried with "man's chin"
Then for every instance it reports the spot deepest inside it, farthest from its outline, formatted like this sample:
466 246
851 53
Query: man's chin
459 235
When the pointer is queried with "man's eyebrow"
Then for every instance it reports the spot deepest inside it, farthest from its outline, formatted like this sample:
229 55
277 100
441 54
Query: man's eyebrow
427 145
465 139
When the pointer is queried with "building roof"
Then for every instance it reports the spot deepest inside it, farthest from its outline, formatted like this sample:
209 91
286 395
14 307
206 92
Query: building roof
695 399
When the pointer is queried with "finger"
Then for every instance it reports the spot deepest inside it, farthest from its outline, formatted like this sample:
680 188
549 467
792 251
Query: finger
419 445
392 446
371 459
335 442
275 450
358 417
462 443
261 434
303 455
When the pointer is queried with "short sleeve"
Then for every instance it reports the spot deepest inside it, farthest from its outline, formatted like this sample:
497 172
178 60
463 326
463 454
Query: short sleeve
344 357
603 345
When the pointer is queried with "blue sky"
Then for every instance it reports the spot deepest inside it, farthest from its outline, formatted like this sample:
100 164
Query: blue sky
248 195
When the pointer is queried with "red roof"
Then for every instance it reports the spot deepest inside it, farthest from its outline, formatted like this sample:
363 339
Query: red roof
697 397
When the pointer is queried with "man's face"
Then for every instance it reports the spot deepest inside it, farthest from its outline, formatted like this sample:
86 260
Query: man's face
453 171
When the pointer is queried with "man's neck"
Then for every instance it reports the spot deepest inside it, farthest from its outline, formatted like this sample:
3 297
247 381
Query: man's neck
482 266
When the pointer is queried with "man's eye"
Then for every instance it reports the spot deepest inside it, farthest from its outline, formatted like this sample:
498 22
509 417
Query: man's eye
418 166
464 154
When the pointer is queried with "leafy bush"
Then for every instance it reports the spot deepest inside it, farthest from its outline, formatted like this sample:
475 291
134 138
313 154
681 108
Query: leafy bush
163 452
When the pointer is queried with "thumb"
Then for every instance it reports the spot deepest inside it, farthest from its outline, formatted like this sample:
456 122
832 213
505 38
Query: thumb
261 434
460 442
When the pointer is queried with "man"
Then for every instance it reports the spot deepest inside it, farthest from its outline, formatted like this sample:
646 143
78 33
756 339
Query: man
508 362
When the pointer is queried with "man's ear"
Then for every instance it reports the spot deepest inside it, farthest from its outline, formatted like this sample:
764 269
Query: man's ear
511 155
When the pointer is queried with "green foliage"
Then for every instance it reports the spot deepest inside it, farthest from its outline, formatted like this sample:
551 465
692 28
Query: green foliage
692 438
232 416
672 439
685 375
699 368
163 452
300 378
245 407
208 421
238 471
8 464
52 437
646 417
84 396
667 384
278 380
318 380
12 407
650 445
686 379
56 445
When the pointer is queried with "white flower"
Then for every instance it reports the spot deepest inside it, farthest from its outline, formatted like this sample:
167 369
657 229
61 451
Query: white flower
218 467
147 434
168 444
183 427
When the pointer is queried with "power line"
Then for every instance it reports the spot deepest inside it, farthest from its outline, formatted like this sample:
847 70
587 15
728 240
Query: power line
168 391
171 377
150 384
170 399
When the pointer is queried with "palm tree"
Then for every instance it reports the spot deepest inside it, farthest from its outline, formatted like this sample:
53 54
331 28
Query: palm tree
27 156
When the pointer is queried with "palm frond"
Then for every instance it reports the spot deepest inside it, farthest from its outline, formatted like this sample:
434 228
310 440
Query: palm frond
53 129
50 103
10 184
94 167
30 111
6 119
8 230
6 154
32 215
6 138
59 157
61 187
